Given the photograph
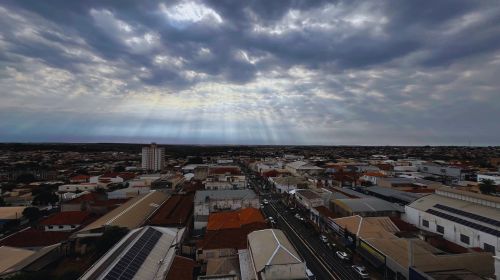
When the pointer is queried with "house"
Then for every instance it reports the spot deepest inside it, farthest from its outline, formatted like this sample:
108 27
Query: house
34 239
493 176
65 221
272 256
144 253
206 202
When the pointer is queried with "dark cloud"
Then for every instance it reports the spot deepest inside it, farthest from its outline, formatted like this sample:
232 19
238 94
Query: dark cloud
379 65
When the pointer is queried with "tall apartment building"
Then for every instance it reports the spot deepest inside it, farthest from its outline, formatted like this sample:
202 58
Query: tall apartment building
153 157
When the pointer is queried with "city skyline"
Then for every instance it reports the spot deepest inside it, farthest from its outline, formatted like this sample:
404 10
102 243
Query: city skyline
261 72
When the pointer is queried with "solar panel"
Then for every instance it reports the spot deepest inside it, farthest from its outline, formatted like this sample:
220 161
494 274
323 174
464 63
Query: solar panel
464 222
130 263
468 215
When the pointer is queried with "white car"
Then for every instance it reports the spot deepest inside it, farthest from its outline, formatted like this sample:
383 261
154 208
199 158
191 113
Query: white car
361 271
323 238
265 202
309 274
343 255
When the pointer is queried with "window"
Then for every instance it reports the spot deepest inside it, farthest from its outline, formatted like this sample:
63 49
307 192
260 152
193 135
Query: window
440 229
61 226
465 239
489 248
73 226
425 223
51 227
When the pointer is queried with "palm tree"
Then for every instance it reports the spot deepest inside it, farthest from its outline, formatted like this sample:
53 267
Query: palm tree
487 186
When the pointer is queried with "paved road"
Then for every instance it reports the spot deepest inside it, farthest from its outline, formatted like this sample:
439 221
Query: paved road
319 258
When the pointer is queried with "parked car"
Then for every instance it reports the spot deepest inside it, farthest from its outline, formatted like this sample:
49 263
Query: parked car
343 255
361 271
265 201
330 246
309 274
323 238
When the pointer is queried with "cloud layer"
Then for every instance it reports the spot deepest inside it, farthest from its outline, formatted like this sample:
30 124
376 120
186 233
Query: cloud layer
251 72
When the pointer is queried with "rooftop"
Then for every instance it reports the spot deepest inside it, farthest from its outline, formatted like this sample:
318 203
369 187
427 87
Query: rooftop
66 218
30 238
234 219
132 214
175 211
11 213
367 204
201 196
271 247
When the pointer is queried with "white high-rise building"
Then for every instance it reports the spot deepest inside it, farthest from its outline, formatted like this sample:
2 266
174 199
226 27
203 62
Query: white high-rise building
153 157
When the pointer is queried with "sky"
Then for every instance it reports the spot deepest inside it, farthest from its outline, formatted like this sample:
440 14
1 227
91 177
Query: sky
308 72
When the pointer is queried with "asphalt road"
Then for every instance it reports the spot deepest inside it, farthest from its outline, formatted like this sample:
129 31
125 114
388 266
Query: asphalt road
320 259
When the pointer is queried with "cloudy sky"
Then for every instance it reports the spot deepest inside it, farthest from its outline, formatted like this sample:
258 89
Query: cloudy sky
251 72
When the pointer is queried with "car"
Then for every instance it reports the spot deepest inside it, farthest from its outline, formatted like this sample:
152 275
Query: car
265 201
261 205
271 219
330 246
297 216
323 238
343 255
309 274
361 271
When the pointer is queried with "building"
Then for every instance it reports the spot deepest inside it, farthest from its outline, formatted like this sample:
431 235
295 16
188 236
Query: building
377 240
308 199
132 214
468 219
77 187
34 239
272 256
11 216
227 233
177 211
15 260
449 173
153 158
288 183
493 176
144 253
301 168
65 221
206 202
365 207
394 195
225 178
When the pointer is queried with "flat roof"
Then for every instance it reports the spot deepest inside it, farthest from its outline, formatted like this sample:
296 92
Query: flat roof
367 204
389 192
10 256
11 213
175 211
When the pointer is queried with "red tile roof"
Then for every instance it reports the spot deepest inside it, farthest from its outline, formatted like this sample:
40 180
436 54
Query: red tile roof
34 238
123 175
234 219
79 177
229 238
182 268
325 212
66 218
224 170
175 211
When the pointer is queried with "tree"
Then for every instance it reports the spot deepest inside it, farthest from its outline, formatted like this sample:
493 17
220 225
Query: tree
2 202
487 186
45 197
25 178
119 168
32 213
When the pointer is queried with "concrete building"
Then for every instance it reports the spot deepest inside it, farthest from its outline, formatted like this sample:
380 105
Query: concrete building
65 221
308 199
451 173
301 168
153 157
76 187
144 253
288 183
272 256
468 219
493 176
206 202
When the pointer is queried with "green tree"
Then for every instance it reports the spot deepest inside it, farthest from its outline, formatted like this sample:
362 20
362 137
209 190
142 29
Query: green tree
45 197
32 213
487 186
2 202
109 238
